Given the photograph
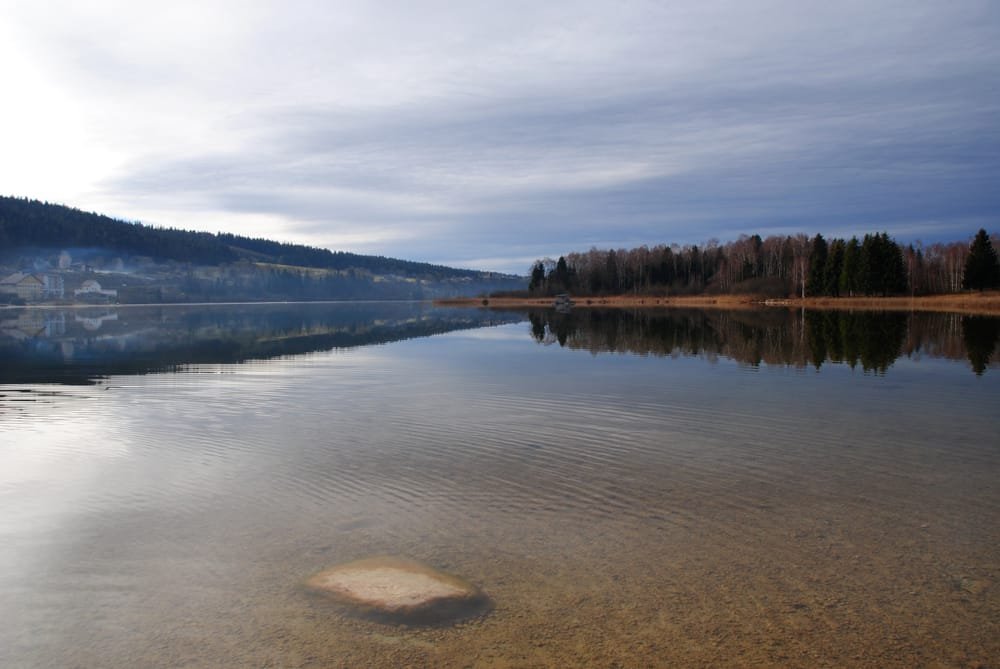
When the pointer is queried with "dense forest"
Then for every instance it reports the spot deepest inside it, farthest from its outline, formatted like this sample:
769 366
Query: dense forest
776 267
30 223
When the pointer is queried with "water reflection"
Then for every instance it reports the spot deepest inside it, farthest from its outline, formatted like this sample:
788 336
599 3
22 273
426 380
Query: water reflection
78 345
980 334
870 340
620 510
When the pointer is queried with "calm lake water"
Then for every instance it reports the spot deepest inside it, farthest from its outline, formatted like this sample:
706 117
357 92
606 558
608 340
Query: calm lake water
641 489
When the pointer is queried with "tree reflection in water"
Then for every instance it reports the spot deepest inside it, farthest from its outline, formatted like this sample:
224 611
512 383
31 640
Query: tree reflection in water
870 340
980 334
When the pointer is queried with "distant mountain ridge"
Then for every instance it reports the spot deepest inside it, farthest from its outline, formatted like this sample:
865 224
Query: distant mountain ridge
35 224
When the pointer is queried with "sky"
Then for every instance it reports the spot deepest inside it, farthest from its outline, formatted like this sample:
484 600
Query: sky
490 134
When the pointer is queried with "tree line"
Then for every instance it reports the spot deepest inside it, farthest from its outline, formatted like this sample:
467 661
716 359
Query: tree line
776 266
35 224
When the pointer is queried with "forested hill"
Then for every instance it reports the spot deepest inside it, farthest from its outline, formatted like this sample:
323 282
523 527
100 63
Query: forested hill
30 223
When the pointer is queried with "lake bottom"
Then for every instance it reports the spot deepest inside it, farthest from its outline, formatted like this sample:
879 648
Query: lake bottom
620 511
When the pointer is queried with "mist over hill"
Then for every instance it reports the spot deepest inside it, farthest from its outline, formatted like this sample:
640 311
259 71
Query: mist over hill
62 248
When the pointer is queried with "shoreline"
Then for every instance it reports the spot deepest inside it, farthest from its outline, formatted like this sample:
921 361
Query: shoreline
986 304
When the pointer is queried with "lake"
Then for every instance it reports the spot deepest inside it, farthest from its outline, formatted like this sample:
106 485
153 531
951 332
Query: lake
631 489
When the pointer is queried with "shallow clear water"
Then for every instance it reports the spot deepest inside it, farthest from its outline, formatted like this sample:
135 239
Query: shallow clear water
663 505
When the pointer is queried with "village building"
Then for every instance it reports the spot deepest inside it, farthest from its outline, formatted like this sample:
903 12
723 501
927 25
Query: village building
91 289
28 287
53 286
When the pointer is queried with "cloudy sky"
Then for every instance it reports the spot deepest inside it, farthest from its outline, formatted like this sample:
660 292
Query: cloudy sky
488 134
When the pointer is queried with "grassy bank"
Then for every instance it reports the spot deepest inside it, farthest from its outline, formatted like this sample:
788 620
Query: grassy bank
987 303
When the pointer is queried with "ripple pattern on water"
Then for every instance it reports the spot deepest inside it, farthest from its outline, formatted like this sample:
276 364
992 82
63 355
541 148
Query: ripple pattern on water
769 503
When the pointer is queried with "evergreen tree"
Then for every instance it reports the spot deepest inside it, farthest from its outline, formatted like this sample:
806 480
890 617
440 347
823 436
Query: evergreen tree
834 267
560 275
849 284
817 266
896 275
982 269
537 277
867 263
894 280
881 270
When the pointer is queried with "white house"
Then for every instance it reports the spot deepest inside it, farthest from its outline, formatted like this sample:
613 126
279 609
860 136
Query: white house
91 289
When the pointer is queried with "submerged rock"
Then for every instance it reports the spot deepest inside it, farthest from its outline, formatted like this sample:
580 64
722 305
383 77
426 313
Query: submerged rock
399 590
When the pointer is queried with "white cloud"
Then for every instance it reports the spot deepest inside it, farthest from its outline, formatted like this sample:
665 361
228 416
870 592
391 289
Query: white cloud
454 129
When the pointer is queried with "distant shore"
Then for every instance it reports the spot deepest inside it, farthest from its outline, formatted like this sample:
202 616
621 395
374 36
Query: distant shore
987 303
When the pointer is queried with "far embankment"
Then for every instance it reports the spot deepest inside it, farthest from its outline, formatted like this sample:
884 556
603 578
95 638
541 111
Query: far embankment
987 303
56 255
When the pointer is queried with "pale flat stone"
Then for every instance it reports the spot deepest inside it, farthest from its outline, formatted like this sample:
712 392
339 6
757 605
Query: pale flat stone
400 590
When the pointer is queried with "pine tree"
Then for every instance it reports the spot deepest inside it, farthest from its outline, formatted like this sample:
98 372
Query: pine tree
894 274
561 275
834 267
537 277
982 269
849 274
817 266
881 269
